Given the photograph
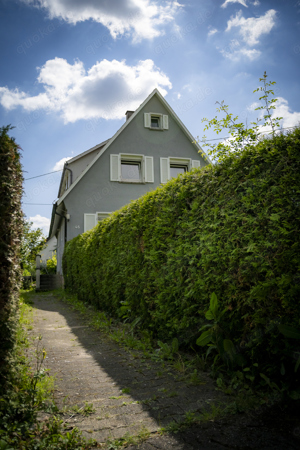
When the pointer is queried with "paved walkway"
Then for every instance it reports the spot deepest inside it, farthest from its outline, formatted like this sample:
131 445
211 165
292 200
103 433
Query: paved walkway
130 394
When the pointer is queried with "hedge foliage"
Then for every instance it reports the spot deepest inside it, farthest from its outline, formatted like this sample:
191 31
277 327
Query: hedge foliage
232 229
10 237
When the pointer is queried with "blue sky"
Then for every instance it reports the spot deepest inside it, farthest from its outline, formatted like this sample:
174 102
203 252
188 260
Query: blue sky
71 68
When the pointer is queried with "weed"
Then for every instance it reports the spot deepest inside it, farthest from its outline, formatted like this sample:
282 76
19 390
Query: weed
128 439
126 390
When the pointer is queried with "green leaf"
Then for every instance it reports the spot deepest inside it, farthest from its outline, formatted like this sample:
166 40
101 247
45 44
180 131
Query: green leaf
289 332
205 338
229 348
297 364
209 315
214 304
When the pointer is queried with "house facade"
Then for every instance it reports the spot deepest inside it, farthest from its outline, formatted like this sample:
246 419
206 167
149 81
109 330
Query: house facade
151 147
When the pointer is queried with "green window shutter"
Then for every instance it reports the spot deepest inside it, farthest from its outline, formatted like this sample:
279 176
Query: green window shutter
147 120
164 170
149 172
89 221
165 122
195 164
115 167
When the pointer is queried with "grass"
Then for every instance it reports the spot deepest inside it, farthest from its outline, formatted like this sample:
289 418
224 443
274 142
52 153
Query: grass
128 439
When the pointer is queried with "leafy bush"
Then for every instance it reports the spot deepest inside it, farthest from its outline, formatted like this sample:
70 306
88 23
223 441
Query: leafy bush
11 229
52 264
232 229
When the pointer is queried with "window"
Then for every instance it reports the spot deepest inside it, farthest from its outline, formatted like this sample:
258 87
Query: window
130 171
131 168
176 169
172 167
91 220
102 215
156 121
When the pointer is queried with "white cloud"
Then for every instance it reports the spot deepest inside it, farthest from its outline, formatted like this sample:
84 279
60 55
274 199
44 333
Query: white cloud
59 165
290 119
252 28
241 2
236 55
106 90
212 31
139 18
40 222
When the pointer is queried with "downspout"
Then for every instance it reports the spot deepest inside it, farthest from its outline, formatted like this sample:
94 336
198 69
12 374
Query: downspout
64 217
71 172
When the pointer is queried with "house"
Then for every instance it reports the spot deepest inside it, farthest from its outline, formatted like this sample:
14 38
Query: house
151 147
49 249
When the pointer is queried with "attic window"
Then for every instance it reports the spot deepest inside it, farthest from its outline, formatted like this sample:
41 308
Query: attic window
155 121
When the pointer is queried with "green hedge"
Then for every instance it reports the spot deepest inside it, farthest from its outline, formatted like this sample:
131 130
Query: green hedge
232 228
10 237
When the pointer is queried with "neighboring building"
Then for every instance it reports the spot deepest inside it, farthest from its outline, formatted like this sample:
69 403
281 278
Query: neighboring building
151 147
49 250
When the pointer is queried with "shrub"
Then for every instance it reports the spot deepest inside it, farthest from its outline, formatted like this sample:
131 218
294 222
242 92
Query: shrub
232 229
11 230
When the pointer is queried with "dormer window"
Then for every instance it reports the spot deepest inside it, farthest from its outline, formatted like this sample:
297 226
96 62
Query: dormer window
155 121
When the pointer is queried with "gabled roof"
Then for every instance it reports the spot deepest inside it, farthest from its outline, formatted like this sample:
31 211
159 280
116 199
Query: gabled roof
81 155
90 150
155 92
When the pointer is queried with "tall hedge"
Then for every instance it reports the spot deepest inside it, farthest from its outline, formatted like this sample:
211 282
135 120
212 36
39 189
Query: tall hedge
10 236
232 229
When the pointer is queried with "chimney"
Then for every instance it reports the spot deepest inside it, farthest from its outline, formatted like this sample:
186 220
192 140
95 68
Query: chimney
128 114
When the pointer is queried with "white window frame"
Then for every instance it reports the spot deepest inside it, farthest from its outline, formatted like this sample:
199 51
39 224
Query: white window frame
166 163
100 215
146 167
163 121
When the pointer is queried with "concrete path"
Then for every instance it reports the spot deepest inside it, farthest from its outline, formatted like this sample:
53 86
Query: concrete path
130 395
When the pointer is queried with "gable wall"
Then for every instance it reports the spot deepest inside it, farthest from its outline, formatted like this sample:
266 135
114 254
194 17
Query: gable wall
96 193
